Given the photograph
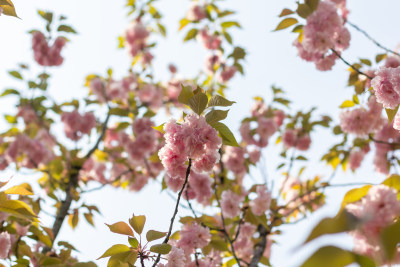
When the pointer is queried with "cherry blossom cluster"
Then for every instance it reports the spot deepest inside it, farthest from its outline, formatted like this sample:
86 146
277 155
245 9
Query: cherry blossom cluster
323 31
136 40
362 121
386 85
30 153
44 54
77 125
194 139
376 210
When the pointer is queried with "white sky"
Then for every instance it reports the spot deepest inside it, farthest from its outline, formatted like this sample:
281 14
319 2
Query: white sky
271 60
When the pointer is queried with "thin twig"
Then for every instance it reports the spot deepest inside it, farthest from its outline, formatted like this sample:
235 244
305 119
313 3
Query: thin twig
372 39
350 65
224 228
176 210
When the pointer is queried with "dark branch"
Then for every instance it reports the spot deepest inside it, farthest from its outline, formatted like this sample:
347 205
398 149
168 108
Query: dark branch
176 210
350 65
372 39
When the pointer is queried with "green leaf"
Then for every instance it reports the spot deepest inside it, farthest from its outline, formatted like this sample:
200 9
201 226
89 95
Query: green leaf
228 24
16 74
198 102
303 10
219 101
66 28
89 218
16 207
114 250
347 104
356 100
342 222
391 113
393 181
190 35
225 13
162 29
331 256
8 8
10 119
286 12
159 128
228 37
137 222
355 195
133 242
390 237
286 23
152 235
161 248
216 115
18 190
121 228
366 61
227 136
186 94
380 57
48 16
9 92
183 22
238 53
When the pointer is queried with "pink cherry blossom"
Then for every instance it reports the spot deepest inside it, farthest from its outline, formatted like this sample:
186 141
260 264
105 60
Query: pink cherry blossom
227 73
261 204
355 159
77 125
196 12
176 257
230 204
193 236
386 85
5 245
303 142
211 42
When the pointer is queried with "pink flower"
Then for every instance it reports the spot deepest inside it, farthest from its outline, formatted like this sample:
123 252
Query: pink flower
5 245
135 37
196 12
234 160
386 85
201 186
227 74
392 62
230 204
303 142
355 159
261 204
289 138
176 257
77 125
254 155
193 236
266 127
211 61
172 68
44 54
211 42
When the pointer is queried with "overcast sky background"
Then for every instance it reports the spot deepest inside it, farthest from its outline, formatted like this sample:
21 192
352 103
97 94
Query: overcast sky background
271 60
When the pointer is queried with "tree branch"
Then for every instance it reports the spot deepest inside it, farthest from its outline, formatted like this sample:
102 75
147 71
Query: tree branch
260 246
372 39
350 65
176 210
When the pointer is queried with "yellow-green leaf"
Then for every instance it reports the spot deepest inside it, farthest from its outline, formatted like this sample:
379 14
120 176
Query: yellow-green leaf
183 22
137 222
8 8
114 250
220 101
285 12
331 256
286 23
120 228
227 136
198 102
355 195
393 181
186 94
190 35
161 248
347 104
391 113
216 115
390 237
152 235
18 190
